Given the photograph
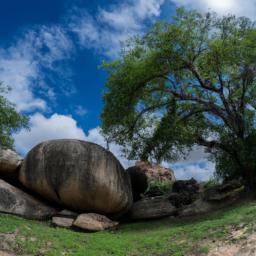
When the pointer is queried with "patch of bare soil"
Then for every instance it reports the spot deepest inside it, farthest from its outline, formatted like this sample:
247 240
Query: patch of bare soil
7 243
240 242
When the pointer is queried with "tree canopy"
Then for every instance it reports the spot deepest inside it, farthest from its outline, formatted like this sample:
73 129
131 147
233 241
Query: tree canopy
10 120
188 82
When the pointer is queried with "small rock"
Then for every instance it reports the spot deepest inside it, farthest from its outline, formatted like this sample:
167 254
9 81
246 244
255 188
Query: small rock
10 163
63 222
94 222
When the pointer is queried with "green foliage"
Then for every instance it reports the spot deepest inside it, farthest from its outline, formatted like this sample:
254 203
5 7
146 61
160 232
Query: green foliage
211 183
185 83
162 187
151 238
10 120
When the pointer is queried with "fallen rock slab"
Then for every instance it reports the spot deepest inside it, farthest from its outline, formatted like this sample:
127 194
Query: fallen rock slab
79 175
63 222
94 222
227 191
15 201
152 208
10 163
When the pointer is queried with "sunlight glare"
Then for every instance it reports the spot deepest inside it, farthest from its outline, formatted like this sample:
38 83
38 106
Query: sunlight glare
221 5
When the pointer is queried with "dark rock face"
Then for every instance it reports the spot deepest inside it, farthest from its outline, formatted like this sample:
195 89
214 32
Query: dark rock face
15 201
222 192
79 175
139 182
152 208
213 199
184 192
190 186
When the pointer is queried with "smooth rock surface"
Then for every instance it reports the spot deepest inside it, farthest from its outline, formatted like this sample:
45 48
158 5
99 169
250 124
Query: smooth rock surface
152 208
79 175
94 222
62 222
15 201
10 163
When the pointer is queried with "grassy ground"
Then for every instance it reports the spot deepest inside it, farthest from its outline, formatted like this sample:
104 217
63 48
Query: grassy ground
167 237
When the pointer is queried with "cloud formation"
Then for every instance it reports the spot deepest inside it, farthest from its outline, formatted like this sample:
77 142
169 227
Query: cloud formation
43 128
238 7
109 27
200 170
21 65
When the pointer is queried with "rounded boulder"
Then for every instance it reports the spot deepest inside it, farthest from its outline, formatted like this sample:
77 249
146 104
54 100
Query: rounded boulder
80 175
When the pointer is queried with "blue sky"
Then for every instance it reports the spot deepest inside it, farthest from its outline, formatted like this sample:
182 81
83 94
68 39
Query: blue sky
50 52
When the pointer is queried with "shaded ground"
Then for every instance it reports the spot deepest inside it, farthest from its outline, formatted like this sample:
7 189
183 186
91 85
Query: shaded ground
228 232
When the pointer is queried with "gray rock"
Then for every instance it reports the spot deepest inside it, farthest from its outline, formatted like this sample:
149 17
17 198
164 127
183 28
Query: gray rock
213 199
227 191
63 222
152 208
94 222
15 201
196 208
79 175
10 163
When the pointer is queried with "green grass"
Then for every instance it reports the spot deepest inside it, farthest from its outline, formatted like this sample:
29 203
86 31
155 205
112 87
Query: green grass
168 237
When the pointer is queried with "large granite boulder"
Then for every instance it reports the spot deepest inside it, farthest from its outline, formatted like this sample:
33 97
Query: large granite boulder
80 175
10 163
143 174
15 201
152 208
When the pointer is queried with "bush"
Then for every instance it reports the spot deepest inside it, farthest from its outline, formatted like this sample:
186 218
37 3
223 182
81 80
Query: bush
158 188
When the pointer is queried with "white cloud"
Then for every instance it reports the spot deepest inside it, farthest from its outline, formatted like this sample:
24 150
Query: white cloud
80 110
42 128
115 25
239 7
21 64
200 170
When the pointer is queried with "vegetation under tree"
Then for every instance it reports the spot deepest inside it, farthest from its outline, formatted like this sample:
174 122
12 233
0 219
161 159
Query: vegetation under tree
185 83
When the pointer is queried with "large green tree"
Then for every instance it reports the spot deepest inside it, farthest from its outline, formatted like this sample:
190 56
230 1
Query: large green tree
10 120
188 82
